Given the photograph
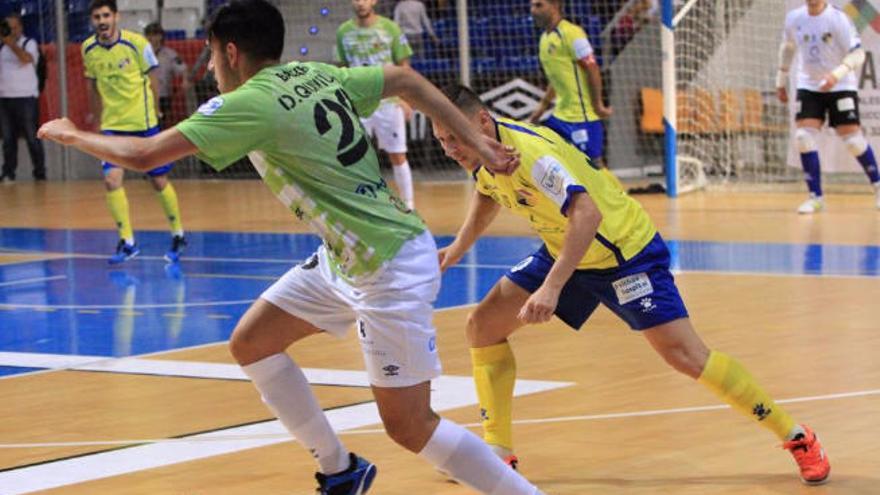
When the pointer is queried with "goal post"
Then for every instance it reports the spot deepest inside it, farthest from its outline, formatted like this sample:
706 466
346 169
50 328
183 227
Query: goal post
667 42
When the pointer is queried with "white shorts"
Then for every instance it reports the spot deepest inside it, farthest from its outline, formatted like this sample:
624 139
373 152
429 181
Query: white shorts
393 309
389 126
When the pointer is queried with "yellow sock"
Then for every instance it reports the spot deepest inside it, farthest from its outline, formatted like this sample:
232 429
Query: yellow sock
168 198
732 382
494 376
117 201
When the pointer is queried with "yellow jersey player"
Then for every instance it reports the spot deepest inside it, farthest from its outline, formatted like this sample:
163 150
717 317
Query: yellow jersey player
575 81
600 246
119 66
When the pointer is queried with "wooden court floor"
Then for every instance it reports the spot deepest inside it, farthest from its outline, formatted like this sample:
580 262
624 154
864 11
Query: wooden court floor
628 424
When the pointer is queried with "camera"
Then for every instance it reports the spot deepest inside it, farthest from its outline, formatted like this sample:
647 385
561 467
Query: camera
5 28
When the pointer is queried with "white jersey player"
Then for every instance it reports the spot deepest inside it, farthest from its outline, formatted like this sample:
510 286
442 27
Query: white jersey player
830 51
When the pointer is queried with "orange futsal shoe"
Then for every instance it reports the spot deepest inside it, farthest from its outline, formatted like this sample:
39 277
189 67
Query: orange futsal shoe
810 456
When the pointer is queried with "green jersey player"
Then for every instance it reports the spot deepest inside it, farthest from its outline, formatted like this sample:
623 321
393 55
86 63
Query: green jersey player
378 265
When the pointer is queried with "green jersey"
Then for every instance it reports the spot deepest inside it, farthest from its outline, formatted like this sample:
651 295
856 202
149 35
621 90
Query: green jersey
382 43
298 123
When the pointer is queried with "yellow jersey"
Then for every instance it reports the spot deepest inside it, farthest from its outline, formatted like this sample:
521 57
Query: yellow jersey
560 49
121 71
551 170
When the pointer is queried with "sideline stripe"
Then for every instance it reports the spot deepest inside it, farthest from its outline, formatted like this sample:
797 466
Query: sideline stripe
195 304
558 419
32 280
449 392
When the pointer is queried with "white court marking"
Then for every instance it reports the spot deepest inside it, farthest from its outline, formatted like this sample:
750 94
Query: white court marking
448 392
32 280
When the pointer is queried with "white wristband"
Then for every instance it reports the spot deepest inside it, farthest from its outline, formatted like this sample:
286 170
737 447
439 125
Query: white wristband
841 71
781 78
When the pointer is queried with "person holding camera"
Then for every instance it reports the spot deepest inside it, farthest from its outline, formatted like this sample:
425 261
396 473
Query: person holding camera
19 96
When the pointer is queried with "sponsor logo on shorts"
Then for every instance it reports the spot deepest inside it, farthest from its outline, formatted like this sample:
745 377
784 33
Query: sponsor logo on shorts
391 370
580 136
522 264
633 287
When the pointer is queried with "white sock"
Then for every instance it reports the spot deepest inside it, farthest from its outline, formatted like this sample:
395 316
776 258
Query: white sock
286 391
403 179
469 460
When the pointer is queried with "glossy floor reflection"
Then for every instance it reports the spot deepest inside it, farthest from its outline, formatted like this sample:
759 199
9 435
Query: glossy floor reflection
59 296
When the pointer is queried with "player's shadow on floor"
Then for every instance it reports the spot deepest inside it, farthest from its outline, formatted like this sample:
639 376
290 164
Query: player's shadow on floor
787 484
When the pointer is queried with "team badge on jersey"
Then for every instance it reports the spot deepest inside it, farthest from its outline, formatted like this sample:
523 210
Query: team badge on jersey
827 37
211 106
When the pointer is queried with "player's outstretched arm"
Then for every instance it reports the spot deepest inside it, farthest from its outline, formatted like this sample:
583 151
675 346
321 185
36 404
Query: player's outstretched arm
786 55
583 223
422 95
133 153
481 213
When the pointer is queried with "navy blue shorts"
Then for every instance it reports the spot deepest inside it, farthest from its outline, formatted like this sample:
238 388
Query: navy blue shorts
164 169
589 137
641 291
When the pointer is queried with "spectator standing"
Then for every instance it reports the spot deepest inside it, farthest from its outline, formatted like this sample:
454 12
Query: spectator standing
19 96
412 17
170 66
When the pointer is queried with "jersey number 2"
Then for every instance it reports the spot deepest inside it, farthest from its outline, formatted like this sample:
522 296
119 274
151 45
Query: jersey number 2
348 154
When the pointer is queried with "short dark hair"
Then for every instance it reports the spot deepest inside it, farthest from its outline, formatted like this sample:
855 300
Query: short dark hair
97 4
466 99
256 27
154 28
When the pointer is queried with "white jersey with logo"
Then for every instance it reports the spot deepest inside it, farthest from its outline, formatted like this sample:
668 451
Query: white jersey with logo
822 41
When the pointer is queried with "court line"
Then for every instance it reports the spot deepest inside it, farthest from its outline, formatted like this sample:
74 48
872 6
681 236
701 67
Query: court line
100 359
32 280
558 419
196 304
486 266
449 392
232 276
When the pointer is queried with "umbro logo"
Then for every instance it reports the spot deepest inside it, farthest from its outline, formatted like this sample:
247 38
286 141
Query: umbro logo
310 263
391 370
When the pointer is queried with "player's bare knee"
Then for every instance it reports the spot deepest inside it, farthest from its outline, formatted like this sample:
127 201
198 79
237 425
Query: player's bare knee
112 183
806 139
472 328
855 143
159 182
689 360
246 347
411 432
